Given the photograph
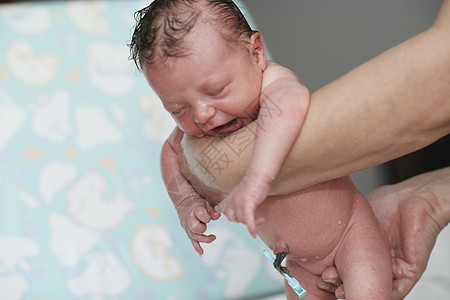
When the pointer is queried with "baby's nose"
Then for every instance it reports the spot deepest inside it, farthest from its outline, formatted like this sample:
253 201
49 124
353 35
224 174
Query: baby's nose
203 113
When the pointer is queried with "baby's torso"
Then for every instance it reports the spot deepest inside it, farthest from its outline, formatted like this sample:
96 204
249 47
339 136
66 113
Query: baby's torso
309 224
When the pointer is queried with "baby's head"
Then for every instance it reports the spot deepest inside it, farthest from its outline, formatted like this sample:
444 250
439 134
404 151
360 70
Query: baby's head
203 60
162 27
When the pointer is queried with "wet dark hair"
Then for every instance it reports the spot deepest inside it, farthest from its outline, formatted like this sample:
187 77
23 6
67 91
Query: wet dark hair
162 26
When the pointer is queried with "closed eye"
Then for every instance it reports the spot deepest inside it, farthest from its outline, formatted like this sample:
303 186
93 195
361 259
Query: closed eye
218 91
178 112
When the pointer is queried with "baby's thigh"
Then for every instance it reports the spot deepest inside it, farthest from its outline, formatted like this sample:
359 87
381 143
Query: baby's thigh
308 281
363 260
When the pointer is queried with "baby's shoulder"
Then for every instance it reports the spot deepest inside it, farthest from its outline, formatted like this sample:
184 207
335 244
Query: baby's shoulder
275 71
273 67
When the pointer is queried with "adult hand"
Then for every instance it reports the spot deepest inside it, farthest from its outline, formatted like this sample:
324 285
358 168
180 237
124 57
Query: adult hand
412 213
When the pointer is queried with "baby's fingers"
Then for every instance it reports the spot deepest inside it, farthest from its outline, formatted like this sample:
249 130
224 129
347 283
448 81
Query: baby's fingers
196 226
198 248
198 220
215 215
253 223
248 218
227 210
201 238
202 215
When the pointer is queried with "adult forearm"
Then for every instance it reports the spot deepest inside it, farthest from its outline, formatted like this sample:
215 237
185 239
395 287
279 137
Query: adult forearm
392 105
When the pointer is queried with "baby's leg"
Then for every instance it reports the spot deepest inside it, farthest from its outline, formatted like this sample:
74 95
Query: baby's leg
363 259
308 281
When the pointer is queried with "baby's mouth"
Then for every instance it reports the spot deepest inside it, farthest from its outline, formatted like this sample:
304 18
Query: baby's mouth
227 128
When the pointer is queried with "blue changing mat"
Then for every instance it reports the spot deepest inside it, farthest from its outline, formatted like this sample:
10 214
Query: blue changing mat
83 210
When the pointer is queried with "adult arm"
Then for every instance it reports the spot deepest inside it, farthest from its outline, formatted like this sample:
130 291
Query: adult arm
394 104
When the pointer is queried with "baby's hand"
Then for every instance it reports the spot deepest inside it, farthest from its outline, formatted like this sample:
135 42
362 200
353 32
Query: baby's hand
240 205
194 213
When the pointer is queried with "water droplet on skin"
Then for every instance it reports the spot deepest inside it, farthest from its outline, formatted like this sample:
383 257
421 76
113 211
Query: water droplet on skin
339 223
304 260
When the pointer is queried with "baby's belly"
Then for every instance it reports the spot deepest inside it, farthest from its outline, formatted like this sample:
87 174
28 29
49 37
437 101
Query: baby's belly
309 224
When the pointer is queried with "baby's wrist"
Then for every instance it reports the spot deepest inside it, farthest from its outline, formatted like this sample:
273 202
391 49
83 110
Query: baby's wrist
259 178
187 201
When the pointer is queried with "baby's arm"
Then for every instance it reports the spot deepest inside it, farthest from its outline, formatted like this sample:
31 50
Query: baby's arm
193 211
284 102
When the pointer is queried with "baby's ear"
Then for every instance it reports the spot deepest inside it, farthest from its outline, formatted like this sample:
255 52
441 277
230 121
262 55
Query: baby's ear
258 51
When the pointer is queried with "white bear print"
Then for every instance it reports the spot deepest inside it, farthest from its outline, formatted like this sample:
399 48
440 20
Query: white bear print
104 275
150 252
70 242
31 68
14 251
53 178
13 287
94 128
88 203
51 120
12 119
87 16
109 69
26 18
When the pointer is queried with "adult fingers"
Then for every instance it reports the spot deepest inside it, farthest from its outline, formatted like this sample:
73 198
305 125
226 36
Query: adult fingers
330 281
339 293
401 287
331 276
327 287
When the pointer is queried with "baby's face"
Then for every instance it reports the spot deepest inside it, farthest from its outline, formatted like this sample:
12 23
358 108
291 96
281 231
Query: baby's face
214 89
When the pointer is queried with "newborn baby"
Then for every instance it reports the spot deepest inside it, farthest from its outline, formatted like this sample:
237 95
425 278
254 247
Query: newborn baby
212 75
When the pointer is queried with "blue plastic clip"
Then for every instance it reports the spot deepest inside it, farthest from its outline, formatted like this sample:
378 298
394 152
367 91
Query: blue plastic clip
291 280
